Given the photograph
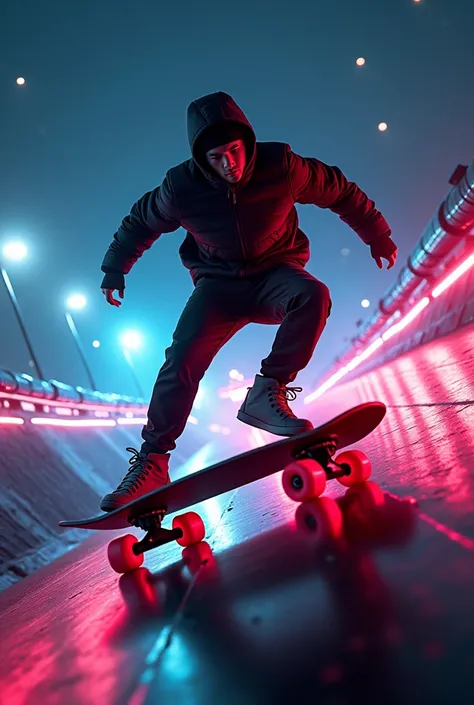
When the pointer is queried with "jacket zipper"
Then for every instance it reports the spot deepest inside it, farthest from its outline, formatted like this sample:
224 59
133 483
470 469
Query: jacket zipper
233 196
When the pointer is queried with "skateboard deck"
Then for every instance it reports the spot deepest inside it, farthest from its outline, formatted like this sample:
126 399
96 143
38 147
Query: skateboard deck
344 430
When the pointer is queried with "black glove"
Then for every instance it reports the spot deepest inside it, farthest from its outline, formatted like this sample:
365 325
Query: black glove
384 247
113 280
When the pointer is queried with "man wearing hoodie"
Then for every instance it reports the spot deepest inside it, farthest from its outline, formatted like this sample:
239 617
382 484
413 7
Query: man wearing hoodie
246 255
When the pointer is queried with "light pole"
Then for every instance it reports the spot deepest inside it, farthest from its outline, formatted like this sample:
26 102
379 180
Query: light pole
76 302
15 252
132 340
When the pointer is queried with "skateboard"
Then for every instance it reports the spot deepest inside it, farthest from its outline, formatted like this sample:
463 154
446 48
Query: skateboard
307 460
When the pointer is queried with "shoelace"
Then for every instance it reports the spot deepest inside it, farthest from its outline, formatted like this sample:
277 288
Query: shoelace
283 395
137 471
290 392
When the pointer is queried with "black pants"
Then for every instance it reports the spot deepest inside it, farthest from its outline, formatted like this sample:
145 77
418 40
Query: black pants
215 311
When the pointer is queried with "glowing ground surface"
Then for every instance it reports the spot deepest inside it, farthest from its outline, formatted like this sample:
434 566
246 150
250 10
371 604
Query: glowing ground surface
384 614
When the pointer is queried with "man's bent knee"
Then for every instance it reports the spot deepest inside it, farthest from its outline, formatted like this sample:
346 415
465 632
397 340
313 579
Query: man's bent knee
317 294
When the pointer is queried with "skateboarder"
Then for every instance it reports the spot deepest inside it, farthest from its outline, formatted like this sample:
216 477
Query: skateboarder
246 255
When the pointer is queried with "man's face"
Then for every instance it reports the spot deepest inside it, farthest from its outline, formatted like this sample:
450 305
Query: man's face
228 160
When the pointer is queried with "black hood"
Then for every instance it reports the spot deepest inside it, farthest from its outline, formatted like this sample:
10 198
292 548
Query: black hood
211 110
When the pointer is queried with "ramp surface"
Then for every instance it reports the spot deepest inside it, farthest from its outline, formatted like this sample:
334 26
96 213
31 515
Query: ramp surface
275 615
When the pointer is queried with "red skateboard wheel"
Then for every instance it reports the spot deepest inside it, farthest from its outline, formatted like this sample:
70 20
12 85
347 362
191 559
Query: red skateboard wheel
192 527
120 553
360 466
304 480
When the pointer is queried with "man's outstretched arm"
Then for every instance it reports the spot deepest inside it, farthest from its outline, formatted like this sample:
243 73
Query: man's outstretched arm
152 215
313 181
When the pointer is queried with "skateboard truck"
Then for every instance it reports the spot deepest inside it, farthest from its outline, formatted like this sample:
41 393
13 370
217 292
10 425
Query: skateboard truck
126 552
155 535
322 452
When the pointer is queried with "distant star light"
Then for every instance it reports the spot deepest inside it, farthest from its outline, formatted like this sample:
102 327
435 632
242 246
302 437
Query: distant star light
20 81
383 126
360 61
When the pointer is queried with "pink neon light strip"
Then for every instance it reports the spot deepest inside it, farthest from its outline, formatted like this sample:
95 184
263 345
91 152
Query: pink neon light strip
41 421
11 421
406 320
73 404
369 351
137 420
454 276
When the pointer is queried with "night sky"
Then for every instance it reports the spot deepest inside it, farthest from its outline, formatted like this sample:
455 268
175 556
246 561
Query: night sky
102 116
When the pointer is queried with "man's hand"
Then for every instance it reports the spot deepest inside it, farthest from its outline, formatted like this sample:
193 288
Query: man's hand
109 296
384 248
391 261
113 281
